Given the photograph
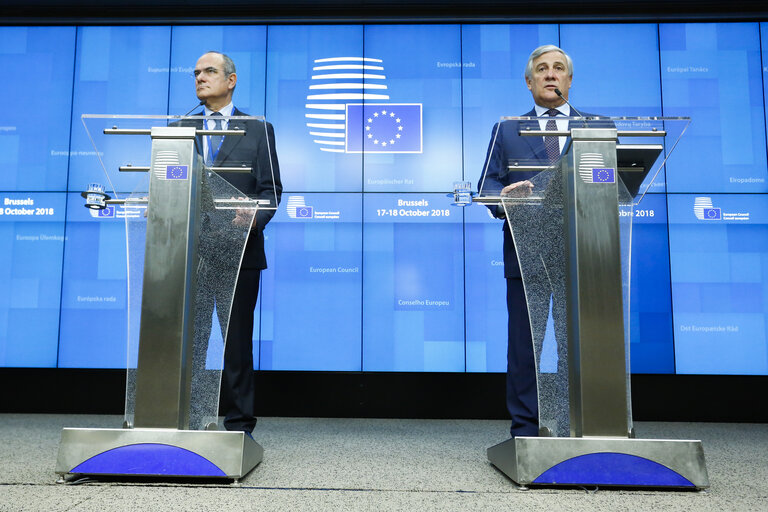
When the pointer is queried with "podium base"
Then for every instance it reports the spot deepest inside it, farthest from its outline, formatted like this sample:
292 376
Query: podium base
608 461
157 453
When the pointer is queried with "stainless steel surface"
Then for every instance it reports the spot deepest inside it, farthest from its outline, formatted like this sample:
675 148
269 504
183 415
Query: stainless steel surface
235 131
532 199
233 452
519 168
133 168
524 459
642 133
567 133
544 133
504 457
128 201
127 131
231 169
147 131
486 199
167 309
595 323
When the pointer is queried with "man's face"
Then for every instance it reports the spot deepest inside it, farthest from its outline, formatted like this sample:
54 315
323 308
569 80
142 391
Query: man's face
550 72
211 83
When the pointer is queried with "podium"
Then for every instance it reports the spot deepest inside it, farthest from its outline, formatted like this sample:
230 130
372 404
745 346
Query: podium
572 231
186 231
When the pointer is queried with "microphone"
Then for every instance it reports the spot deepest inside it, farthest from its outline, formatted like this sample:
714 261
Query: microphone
202 102
557 91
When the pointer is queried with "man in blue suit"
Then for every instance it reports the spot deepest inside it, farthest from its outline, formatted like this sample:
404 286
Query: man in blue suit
548 69
215 81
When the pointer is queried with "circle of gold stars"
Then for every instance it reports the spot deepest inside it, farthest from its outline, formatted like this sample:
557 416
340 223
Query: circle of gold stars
383 114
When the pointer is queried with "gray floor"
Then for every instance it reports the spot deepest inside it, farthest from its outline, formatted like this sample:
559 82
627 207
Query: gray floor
381 465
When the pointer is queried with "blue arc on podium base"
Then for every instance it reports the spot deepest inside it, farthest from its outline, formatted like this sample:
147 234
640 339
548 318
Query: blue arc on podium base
157 453
622 462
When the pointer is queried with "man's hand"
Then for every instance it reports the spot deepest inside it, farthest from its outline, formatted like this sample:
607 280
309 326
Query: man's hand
244 217
518 189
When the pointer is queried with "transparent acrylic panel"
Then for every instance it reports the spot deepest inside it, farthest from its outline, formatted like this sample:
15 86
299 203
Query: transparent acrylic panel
226 220
536 222
135 211
626 213
232 196
519 178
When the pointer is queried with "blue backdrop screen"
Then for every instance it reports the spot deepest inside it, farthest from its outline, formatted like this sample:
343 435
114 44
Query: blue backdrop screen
370 267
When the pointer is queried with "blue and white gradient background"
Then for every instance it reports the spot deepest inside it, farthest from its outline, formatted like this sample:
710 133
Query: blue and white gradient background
385 275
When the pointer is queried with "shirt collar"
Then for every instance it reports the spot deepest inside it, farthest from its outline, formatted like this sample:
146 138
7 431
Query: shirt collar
226 111
564 109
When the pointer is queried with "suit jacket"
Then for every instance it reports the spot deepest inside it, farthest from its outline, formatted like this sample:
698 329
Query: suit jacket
506 148
255 149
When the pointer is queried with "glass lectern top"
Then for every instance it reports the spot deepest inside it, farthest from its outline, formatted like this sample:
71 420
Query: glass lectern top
122 146
645 144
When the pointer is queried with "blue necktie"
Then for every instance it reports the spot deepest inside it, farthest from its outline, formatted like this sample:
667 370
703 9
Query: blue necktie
214 141
551 142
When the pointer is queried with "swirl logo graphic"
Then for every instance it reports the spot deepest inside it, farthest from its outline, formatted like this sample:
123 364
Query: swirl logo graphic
298 209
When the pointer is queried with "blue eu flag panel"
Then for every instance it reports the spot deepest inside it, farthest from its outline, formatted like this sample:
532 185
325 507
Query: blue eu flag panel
370 267
384 128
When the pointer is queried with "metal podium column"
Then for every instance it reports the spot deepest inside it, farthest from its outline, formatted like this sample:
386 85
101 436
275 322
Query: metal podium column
167 304
597 360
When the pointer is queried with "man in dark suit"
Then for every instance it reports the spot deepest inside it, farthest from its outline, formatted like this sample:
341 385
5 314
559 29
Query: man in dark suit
548 68
215 81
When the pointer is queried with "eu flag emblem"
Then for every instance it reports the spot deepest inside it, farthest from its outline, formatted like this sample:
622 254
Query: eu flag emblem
304 212
712 214
606 175
384 128
176 172
109 211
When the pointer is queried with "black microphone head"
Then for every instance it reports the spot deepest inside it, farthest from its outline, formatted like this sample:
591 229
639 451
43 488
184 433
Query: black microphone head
557 91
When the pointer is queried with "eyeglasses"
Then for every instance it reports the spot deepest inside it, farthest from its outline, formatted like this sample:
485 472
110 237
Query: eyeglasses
210 71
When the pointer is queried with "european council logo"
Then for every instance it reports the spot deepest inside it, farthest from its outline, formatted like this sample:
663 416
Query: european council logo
703 209
592 169
346 112
166 166
120 212
298 209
